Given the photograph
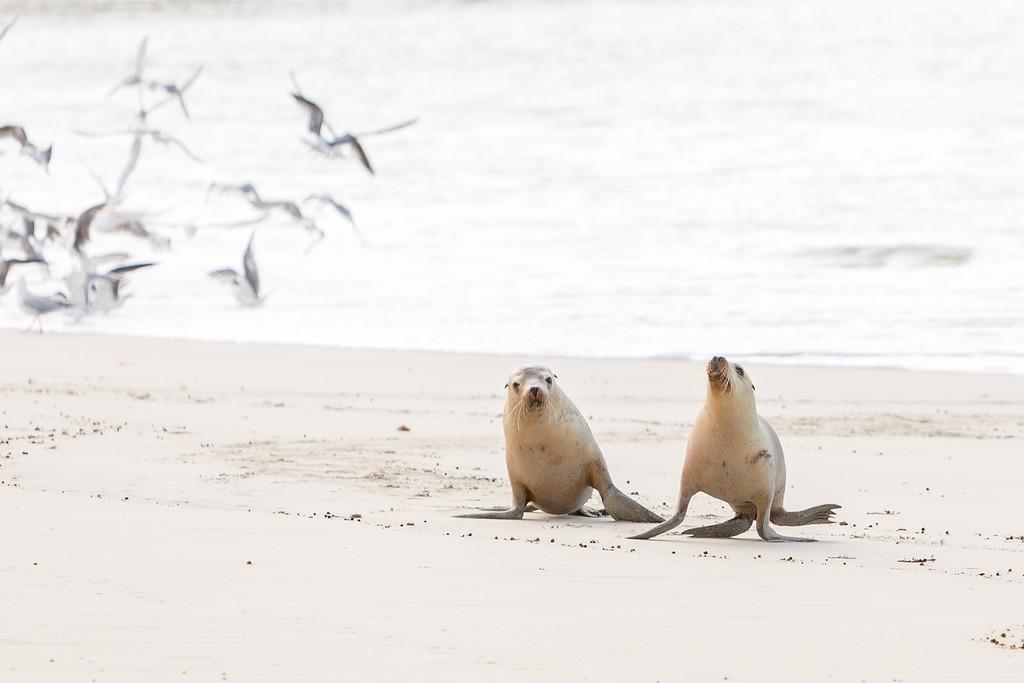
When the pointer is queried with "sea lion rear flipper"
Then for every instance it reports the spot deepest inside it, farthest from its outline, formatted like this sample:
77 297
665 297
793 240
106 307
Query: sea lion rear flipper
624 509
734 527
819 514
769 534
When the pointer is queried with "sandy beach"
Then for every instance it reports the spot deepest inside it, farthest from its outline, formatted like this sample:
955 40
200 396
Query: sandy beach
256 512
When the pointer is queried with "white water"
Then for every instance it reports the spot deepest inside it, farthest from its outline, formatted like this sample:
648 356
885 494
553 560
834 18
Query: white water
801 181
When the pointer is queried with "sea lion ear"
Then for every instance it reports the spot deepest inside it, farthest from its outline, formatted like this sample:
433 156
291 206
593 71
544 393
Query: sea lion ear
556 376
506 385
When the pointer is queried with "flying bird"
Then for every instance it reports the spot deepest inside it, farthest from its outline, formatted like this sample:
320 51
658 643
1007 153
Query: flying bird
5 270
174 91
135 77
286 206
336 145
328 200
40 156
246 285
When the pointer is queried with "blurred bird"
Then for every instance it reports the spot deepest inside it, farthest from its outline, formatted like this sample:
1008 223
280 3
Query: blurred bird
37 306
92 291
5 270
134 78
337 145
286 206
246 285
328 200
174 91
41 157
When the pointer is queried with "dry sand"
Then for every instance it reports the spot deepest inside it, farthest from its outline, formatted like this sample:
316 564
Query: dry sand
181 510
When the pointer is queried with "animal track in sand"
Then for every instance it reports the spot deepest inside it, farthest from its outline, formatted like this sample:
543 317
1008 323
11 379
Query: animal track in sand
369 464
888 424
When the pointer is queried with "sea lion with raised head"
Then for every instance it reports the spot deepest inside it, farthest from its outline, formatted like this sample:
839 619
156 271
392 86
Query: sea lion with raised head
554 462
734 455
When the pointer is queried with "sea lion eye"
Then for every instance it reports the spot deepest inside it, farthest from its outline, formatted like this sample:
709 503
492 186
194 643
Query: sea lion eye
515 385
739 371
548 380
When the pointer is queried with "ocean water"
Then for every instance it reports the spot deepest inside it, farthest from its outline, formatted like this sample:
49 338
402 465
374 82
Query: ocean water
784 180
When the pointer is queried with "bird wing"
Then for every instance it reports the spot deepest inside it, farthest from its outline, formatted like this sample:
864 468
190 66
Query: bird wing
140 56
316 114
224 274
84 222
121 270
338 206
191 79
252 274
389 129
8 27
129 166
181 145
16 132
361 154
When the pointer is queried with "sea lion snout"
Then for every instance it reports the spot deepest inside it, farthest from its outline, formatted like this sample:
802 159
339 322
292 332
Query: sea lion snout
536 397
718 371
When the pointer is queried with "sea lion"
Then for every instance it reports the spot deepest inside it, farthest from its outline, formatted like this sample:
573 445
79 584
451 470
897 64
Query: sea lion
553 460
734 455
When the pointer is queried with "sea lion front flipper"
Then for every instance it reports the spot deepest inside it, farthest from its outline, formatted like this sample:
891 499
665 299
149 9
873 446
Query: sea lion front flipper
819 514
587 512
529 508
622 508
520 496
733 527
511 513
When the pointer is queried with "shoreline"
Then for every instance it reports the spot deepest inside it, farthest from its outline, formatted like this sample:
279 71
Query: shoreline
793 360
165 506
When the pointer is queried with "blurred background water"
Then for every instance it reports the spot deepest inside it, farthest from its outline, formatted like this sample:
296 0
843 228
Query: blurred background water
789 180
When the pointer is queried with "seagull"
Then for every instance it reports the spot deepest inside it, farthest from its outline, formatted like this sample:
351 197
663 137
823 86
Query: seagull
54 223
92 291
174 91
334 146
326 199
41 157
155 134
287 206
5 269
134 78
247 285
333 149
38 306
131 224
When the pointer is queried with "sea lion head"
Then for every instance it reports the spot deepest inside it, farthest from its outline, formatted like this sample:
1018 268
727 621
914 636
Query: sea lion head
530 388
725 378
